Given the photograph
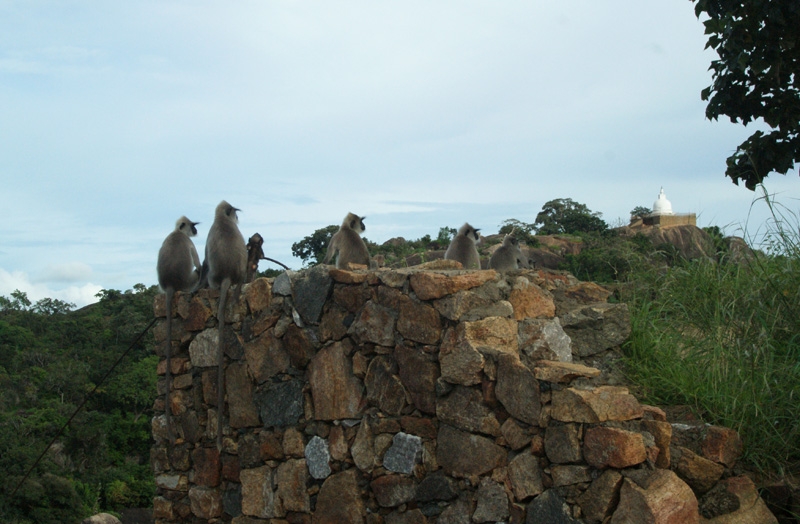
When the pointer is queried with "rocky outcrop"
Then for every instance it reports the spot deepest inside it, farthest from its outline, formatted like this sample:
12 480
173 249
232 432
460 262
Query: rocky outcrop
689 241
423 396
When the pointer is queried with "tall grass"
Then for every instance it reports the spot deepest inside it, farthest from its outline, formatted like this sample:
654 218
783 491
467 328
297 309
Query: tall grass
724 337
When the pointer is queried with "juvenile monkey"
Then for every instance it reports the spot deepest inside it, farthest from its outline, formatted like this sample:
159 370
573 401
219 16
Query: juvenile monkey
508 256
178 269
226 258
347 242
463 247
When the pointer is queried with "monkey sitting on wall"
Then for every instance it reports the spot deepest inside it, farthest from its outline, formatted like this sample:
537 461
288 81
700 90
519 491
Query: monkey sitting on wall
463 247
178 269
347 244
508 256
226 265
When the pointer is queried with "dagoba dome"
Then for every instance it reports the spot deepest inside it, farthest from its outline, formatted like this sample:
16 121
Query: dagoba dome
662 206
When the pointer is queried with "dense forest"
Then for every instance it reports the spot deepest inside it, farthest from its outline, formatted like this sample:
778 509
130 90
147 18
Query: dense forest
51 358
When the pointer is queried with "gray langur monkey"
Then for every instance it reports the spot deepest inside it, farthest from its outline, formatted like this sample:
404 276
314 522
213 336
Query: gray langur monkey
178 269
348 244
508 256
463 247
226 261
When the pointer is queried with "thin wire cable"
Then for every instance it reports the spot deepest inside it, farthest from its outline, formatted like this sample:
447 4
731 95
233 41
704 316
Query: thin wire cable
85 399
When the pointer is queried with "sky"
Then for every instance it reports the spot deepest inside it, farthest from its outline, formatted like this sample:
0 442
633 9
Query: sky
119 117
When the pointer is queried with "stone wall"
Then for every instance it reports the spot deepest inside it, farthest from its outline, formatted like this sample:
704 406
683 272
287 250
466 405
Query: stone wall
678 219
424 395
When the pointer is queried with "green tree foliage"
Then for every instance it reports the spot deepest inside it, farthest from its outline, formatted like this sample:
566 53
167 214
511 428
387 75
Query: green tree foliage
50 358
756 77
565 216
640 212
445 236
609 257
311 250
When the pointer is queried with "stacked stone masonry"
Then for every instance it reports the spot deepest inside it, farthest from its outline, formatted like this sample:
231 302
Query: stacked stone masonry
426 395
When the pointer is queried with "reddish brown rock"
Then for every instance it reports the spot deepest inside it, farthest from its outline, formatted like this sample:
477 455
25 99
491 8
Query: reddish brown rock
334 388
654 413
293 443
270 447
258 499
230 468
455 306
426 428
722 445
339 500
206 503
206 467
602 497
242 411
177 366
568 475
562 372
392 490
531 301
419 375
460 363
517 389
337 443
490 336
562 443
163 509
419 322
357 276
617 448
332 326
298 345
266 357
515 436
463 408
352 298
429 285
258 294
462 454
699 472
525 476
662 434
291 479
735 501
582 293
662 498
384 388
605 403
198 315
375 324
363 449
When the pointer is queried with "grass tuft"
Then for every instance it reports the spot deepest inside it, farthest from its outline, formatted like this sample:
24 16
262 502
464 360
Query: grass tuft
724 338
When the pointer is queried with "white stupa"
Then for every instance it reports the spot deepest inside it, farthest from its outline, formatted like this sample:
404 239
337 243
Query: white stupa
662 206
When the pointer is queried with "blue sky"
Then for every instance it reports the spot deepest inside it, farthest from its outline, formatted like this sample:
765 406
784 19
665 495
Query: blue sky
119 117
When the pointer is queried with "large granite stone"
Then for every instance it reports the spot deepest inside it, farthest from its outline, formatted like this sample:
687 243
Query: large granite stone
335 390
280 404
462 454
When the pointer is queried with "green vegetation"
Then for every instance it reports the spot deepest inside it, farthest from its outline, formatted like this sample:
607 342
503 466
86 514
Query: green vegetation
724 338
755 79
565 216
50 358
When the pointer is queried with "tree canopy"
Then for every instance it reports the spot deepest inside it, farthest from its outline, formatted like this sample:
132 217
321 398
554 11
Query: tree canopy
564 215
757 76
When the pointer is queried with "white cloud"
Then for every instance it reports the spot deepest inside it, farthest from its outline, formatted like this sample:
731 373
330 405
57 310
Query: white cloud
80 295
66 272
